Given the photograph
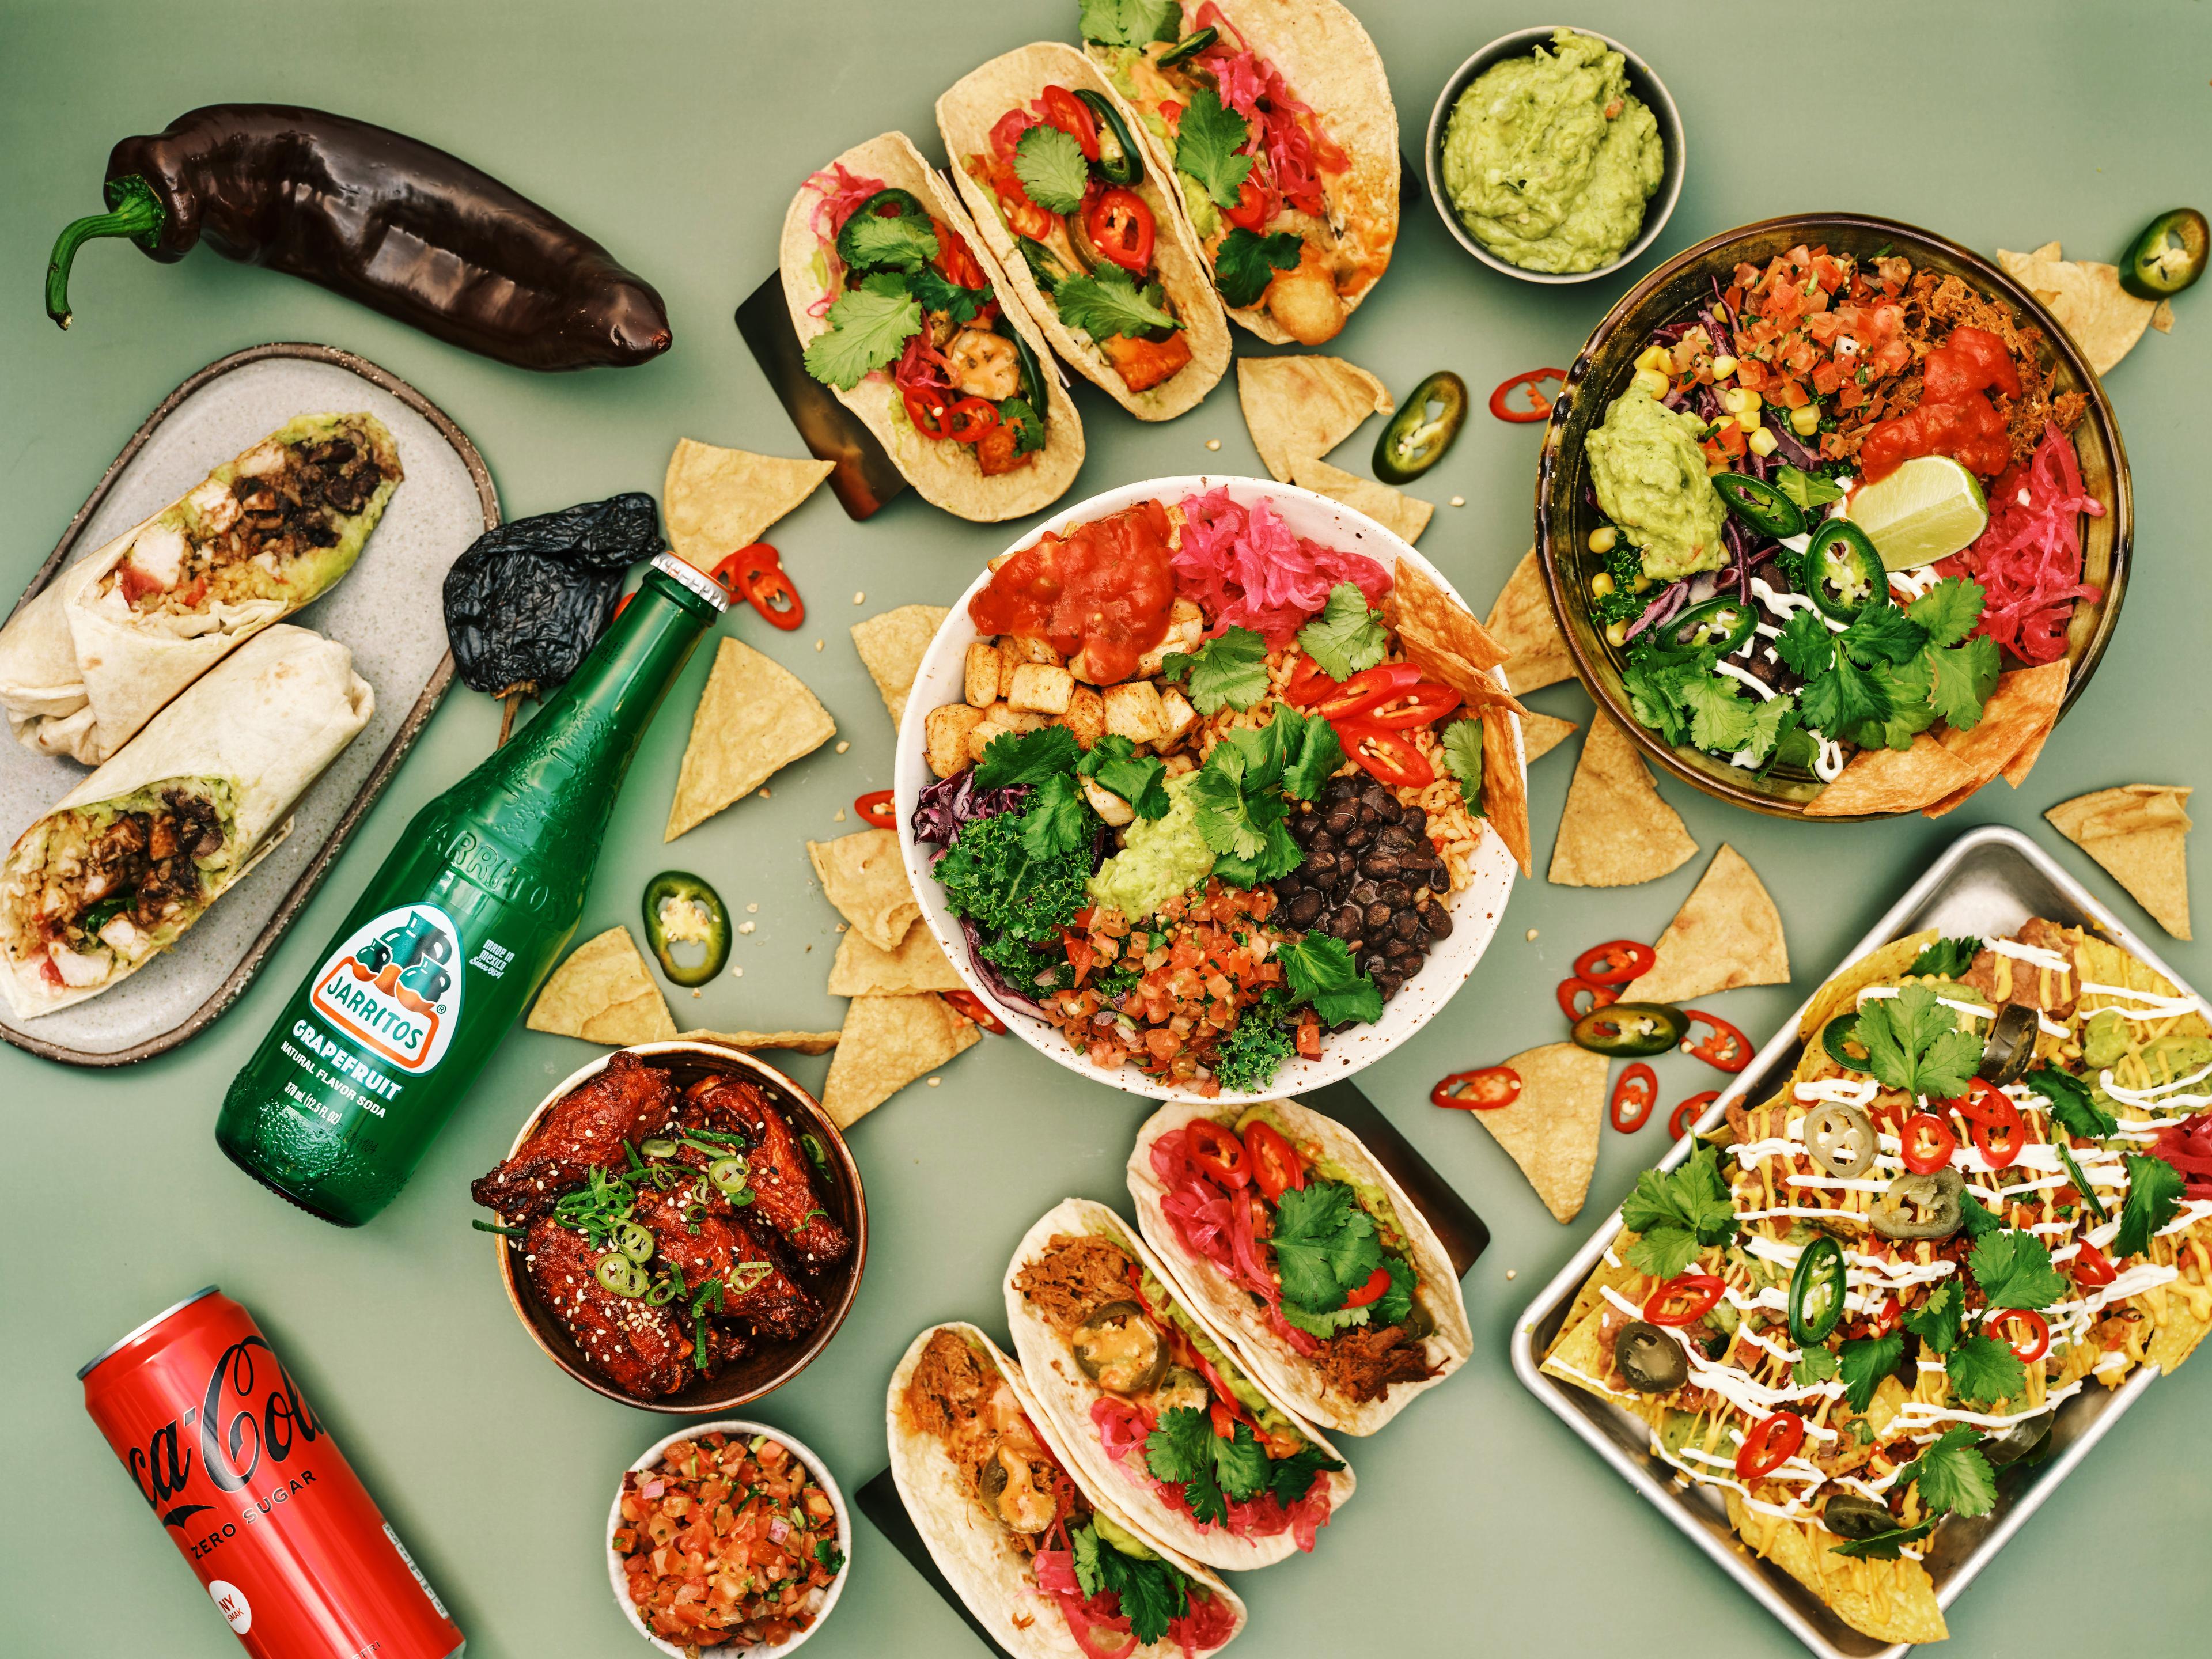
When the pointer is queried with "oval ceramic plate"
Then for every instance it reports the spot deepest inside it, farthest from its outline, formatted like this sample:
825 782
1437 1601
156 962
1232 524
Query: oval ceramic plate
1474 911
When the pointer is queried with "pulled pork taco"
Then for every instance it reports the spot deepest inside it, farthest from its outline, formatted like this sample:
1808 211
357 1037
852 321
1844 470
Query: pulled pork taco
1091 238
1283 1230
122 630
1274 118
1151 1406
1051 1568
129 858
903 315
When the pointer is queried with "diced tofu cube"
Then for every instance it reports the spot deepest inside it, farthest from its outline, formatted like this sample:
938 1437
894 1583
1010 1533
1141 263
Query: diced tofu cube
983 670
1027 647
1040 688
1085 715
1185 628
1108 805
997 721
947 729
1134 711
1181 762
1181 716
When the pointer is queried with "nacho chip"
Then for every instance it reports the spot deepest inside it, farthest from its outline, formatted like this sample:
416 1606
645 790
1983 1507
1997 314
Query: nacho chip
718 500
1403 516
2015 770
1304 405
1425 617
1504 787
862 876
603 994
892 648
1885 962
1890 1600
888 1043
863 969
755 718
795 1043
2086 297
1615 831
1522 624
2021 710
1541 734
1551 1129
1881 781
1727 934
2139 832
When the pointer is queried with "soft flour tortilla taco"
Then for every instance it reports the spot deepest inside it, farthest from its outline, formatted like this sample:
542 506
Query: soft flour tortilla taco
117 634
904 316
1274 117
1344 1303
1051 1567
1151 1405
1090 237
128 860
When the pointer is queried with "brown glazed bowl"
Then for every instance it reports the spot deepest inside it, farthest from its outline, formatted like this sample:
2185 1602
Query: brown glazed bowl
1565 517
771 1364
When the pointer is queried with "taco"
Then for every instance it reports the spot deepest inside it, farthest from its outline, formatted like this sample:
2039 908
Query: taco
1274 117
1151 1405
1089 237
117 634
128 860
1014 1528
902 314
1286 1235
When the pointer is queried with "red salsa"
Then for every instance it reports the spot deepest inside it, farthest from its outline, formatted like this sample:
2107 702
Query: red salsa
1102 593
1953 417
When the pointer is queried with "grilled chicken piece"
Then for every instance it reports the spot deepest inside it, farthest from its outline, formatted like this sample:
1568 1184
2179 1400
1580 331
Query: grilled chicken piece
639 1348
755 1287
782 1182
584 1131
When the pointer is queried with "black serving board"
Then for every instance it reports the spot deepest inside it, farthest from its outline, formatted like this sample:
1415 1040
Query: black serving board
865 478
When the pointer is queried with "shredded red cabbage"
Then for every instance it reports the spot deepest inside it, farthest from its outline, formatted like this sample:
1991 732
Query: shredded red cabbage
2028 561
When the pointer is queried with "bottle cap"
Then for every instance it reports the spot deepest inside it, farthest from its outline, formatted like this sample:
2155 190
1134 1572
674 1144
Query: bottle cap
693 578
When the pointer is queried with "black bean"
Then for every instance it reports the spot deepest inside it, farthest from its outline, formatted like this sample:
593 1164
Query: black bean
1340 789
1406 924
1376 917
1321 864
1437 920
1380 866
1345 922
1368 815
1388 985
1416 820
1382 802
1374 962
1395 838
1396 895
1358 835
1365 893
1304 908
1287 888
1304 826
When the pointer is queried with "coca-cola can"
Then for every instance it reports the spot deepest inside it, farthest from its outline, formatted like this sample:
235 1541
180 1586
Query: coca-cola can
215 1435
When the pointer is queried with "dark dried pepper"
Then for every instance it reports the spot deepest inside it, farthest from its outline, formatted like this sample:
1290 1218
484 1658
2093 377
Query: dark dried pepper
529 598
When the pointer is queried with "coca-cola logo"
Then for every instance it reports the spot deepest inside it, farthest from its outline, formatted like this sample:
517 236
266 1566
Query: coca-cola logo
237 1428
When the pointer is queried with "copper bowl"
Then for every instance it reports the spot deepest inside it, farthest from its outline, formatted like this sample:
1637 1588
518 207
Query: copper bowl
771 1364
1565 516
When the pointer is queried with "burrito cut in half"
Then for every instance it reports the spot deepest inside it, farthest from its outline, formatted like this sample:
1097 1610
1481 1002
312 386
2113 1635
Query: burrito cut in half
133 856
116 635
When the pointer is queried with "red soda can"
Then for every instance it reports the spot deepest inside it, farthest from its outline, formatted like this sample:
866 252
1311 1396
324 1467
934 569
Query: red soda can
214 1434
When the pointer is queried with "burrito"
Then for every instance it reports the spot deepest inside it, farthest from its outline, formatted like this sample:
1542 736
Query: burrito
133 856
1013 1526
122 630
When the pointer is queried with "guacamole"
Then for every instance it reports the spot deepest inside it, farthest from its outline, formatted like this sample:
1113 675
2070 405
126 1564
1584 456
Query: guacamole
1650 476
1549 159
1159 857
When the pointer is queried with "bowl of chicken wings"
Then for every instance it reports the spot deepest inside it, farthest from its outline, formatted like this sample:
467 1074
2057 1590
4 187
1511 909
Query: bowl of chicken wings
682 1227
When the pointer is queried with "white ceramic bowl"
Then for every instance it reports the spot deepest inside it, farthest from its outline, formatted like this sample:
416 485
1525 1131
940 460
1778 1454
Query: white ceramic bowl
1475 911
746 1428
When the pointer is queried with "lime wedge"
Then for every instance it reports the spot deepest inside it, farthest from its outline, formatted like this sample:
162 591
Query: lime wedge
1926 510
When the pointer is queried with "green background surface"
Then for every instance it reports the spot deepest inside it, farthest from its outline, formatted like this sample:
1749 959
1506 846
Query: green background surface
675 133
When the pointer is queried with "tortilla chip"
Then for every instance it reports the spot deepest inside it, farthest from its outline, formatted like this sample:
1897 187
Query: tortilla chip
1442 638
795 1043
1551 1130
1504 787
1889 1601
720 499
1727 934
2161 316
1884 782
603 994
862 969
1615 831
1522 624
2086 297
1541 734
892 648
755 718
2015 770
1304 405
888 1043
1403 516
2139 833
1884 963
862 876
2021 710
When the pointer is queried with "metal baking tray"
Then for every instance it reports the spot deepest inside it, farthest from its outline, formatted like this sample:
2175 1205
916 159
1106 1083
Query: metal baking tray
1991 880
388 609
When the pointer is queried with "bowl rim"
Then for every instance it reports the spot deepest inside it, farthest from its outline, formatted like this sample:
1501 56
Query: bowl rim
1495 871
1672 135
506 1250
746 1427
1986 271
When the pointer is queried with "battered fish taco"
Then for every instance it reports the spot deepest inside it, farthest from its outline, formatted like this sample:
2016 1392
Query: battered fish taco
1286 1235
1090 238
1274 118
903 314
1051 1568
1151 1405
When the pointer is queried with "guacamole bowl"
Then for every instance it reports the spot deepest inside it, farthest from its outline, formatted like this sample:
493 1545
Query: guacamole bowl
1642 83
1567 506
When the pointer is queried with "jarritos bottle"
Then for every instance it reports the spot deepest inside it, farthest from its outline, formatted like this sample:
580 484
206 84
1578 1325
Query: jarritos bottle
452 936
214 1434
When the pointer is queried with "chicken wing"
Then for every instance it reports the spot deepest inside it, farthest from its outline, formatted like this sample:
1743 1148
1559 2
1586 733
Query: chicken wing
639 1348
584 1131
719 1244
784 1193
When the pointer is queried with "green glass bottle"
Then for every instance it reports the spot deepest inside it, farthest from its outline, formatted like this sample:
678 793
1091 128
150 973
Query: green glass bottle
453 936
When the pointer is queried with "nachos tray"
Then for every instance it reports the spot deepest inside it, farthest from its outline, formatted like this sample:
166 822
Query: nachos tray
1991 880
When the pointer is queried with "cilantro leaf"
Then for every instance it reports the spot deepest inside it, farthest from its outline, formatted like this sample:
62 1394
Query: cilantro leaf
1347 637
1655 695
1050 165
873 242
1325 1244
1961 679
1843 699
1019 415
1232 824
1240 1464
1272 862
1813 1365
1180 1450
1907 687
1947 958
1884 1545
1948 610
1953 1475
1806 644
937 292
1462 753
1983 1370
1313 753
1808 490
2154 1189
1016 758
867 330
1882 633
1138 779
2014 1270
1769 720
1106 304
1058 819
1153 1592
1719 719
1084 1546
1678 1211
1232 670
1130 22
1207 141
1246 262
1864 1361
1292 1478
1395 1305
2071 1103
1321 971
1976 1216
1913 1043
1936 1321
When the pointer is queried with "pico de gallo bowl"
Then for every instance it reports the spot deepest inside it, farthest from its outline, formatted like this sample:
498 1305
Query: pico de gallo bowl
1229 842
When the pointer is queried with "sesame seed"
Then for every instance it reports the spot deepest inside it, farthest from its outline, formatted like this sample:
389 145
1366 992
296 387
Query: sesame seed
1532 936
934 1081
746 926
1459 501
842 747
1213 443
817 645
764 795
1513 1273
752 909
737 973
859 598
838 817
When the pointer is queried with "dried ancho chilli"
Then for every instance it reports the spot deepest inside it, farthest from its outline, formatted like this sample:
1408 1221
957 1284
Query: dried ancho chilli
528 599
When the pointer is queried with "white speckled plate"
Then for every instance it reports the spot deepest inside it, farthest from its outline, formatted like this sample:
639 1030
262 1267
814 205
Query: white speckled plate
388 609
